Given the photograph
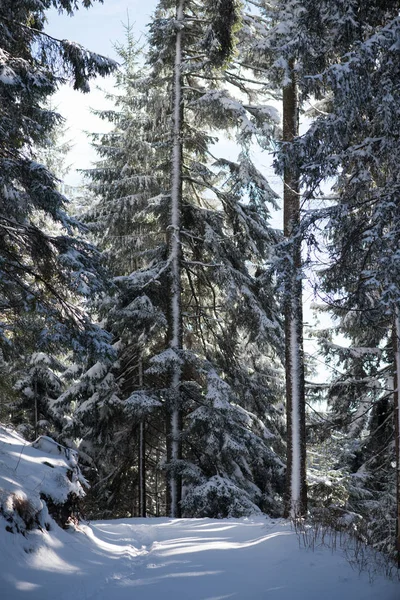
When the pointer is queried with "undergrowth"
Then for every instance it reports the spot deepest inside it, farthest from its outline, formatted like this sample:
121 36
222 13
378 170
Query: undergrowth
346 533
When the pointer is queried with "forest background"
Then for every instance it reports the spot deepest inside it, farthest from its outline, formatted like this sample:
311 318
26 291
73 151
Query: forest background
176 402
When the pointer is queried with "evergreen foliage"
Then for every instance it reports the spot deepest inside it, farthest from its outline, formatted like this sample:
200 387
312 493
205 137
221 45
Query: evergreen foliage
46 265
344 55
353 141
228 391
44 259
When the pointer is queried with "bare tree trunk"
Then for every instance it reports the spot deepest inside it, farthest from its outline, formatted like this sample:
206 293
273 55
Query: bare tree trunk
36 409
156 485
142 454
296 489
174 444
142 470
396 344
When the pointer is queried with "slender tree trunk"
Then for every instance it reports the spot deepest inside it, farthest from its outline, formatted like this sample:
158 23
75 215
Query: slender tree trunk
142 470
296 490
36 409
396 344
174 448
142 454
156 485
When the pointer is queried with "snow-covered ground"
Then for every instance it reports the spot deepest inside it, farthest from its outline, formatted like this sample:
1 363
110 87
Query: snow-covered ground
163 559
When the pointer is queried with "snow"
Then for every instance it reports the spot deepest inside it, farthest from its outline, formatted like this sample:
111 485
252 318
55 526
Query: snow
253 558
192 559
397 353
7 75
40 358
29 470
176 185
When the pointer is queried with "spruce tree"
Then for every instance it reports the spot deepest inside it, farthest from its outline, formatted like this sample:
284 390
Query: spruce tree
356 124
227 392
275 58
303 43
45 261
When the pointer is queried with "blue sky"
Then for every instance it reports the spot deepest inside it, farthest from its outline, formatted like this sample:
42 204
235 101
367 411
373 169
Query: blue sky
100 26
97 29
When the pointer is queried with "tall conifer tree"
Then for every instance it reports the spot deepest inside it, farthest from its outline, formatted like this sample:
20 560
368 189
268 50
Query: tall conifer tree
37 263
226 392
356 83
45 262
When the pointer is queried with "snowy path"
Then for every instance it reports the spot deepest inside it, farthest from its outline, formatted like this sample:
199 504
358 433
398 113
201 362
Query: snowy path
189 559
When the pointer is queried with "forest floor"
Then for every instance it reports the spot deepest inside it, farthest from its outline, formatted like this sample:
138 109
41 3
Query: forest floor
188 559
173 559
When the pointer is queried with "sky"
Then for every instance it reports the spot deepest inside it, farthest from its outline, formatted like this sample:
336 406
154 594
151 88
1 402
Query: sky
97 29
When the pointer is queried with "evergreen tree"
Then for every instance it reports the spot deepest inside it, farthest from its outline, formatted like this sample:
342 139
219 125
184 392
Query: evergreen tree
43 263
356 124
227 392
331 49
128 230
273 49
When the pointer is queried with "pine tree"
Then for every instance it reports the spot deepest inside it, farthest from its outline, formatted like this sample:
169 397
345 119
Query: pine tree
275 57
200 262
125 220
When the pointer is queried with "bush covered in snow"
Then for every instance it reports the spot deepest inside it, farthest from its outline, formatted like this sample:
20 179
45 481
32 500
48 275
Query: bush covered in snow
219 498
38 480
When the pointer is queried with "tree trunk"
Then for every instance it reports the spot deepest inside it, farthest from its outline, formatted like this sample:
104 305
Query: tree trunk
174 444
142 455
36 409
296 490
156 484
396 344
142 470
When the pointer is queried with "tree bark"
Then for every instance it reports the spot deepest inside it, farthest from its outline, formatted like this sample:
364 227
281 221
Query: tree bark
174 426
142 455
296 489
36 408
396 348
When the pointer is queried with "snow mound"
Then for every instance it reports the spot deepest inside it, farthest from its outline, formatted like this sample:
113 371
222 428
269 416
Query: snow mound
35 479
